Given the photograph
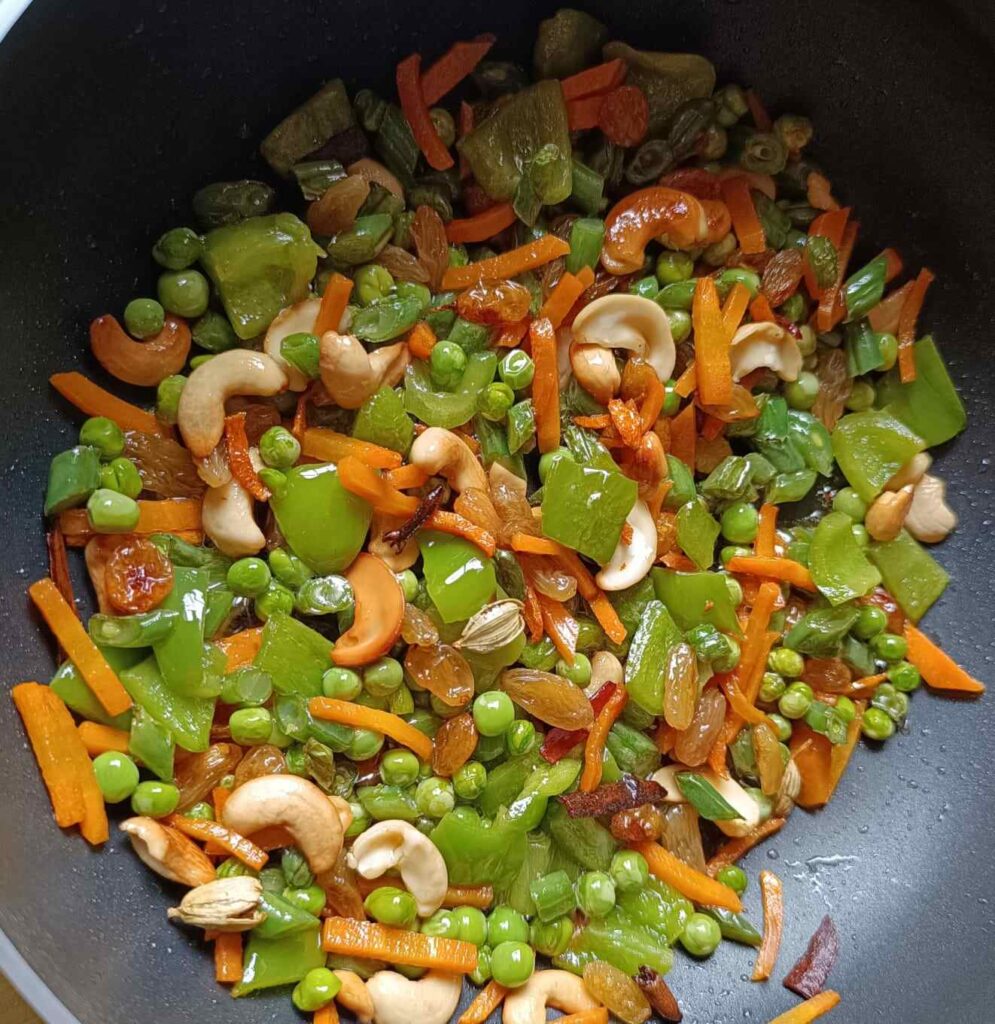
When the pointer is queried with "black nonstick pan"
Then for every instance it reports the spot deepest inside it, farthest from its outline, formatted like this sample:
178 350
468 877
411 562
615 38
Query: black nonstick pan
113 113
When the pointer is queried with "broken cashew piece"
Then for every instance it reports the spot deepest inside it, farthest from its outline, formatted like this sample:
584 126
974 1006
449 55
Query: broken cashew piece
430 1000
354 996
375 173
596 371
224 905
930 519
342 809
631 561
911 473
297 805
228 520
396 561
765 344
729 789
605 668
350 374
886 516
630 322
442 453
201 412
559 989
396 844
168 853
291 320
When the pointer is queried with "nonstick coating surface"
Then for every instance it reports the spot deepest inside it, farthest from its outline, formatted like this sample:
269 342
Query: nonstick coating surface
112 114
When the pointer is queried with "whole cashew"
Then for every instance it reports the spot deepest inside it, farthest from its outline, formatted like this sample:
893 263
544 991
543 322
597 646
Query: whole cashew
930 518
396 844
674 217
559 989
765 344
295 803
886 516
201 412
596 371
169 853
228 520
396 561
144 363
355 996
430 1000
911 473
350 374
631 561
630 322
605 668
442 453
376 174
292 320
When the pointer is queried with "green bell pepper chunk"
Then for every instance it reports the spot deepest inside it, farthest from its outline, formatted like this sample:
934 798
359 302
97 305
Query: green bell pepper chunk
324 524
362 243
566 43
544 781
151 744
585 508
658 908
839 567
469 336
505 783
179 552
187 718
614 940
320 117
910 573
792 486
282 961
682 479
812 440
447 408
629 605
180 653
929 406
131 630
69 686
819 633
697 531
382 420
538 847
259 267
477 851
731 480
294 655
735 927
282 917
459 577
633 751
494 446
73 476
656 634
521 425
587 449
588 842
696 597
217 610
871 447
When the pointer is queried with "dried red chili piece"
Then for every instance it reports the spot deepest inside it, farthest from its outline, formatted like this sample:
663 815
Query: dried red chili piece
808 977
623 795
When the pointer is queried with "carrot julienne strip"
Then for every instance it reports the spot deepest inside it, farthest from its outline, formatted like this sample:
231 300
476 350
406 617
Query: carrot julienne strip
95 401
594 745
453 66
907 325
685 879
545 385
937 668
333 304
331 446
483 225
772 897
508 265
488 999
213 831
360 717
239 459
416 113
812 1009
368 939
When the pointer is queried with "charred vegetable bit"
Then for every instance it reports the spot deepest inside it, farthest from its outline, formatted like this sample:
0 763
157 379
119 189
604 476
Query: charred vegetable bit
809 975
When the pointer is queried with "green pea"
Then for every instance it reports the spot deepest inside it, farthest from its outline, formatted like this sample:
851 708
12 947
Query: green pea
341 683
469 781
579 673
297 760
310 898
383 677
495 401
680 328
275 598
808 342
734 589
247 687
671 399
551 938
435 797
472 925
250 727
549 459
144 318
364 744
155 799
739 523
904 676
738 275
733 876
701 935
288 568
414 290
446 365
849 502
399 768
167 397
214 333
895 704
279 448
392 906
595 893
121 475
888 347
184 292
517 369
802 393
889 647
629 871
316 989
772 687
512 963
520 737
733 551
793 308
178 249
782 726
795 701
505 924
111 512
870 621
482 973
201 811
861 397
409 584
361 821
645 287
103 434
786 662
197 361
117 775
673 266
372 282
846 709
493 712
248 577
877 724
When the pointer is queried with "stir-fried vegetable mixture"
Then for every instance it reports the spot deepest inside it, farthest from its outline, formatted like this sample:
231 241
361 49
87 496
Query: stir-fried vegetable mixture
460 601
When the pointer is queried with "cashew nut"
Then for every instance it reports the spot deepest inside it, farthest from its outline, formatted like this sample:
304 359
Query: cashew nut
201 412
930 518
911 473
632 560
355 996
169 853
350 374
630 322
292 320
376 174
396 561
559 989
648 464
295 803
667 778
596 371
228 520
430 1000
564 339
500 476
343 810
442 453
605 668
396 844
729 789
765 344
144 363
886 516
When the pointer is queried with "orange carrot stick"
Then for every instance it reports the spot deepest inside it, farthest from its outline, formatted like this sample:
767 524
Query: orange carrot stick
832 309
907 325
333 304
745 222
812 754
772 897
687 382
686 880
481 226
95 401
735 849
239 459
604 612
884 317
812 1009
327 1014
360 717
228 958
597 422
512 334
596 1015
479 896
82 651
489 998
594 745
743 707
545 384
683 436
736 304
760 309
459 526
421 340
509 264
763 545
583 113
530 545
785 569
568 290
711 346
936 667
98 739
560 626
213 831
416 113
453 66
367 484
372 941
241 648
331 446
600 78
406 477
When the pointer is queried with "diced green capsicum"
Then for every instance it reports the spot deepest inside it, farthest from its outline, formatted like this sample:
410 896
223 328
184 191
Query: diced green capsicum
294 655
871 447
382 420
180 653
187 718
73 476
910 573
839 567
696 597
447 408
459 577
656 634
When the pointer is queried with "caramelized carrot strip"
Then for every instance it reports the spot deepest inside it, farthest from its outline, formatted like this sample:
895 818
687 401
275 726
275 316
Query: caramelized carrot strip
686 880
711 345
333 304
812 1009
459 526
416 113
95 401
594 745
359 479
560 626
832 308
239 460
360 717
763 545
331 446
228 958
213 831
745 222
600 78
481 226
772 897
568 290
509 264
58 565
545 384
369 940
530 545
937 668
907 325
785 569
489 998
884 317
453 66
98 739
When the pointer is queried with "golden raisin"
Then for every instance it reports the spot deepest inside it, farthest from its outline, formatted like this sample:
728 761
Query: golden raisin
453 745
138 577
